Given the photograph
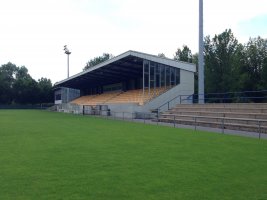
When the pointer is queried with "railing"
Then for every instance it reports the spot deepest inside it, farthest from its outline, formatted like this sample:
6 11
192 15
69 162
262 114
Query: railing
149 118
234 97
222 122
226 97
189 98
34 106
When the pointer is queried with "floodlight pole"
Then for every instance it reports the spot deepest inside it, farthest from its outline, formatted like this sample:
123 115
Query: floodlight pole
68 65
201 90
68 59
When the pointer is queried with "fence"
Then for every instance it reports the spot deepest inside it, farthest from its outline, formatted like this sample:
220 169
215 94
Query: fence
153 118
234 97
35 106
227 97
259 125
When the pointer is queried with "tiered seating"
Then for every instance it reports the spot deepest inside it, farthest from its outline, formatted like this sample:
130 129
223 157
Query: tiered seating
84 100
95 99
130 96
103 98
137 96
247 117
157 91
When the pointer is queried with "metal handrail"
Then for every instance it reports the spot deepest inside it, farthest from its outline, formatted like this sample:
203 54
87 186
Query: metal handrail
180 96
216 98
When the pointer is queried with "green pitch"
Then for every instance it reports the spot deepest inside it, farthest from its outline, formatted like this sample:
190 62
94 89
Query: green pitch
45 155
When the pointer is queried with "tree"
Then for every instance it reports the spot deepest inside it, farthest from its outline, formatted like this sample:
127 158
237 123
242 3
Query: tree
184 54
253 68
45 90
25 87
17 86
220 55
7 78
161 55
264 74
97 60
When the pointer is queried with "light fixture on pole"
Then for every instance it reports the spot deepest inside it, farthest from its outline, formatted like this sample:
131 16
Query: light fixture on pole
68 54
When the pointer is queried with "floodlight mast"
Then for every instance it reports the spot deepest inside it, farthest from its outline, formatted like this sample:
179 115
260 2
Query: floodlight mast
68 54
201 90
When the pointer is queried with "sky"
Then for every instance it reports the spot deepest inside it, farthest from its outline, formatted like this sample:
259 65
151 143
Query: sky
33 32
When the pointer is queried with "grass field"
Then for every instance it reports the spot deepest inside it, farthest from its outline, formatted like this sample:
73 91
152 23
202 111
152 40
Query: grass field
45 155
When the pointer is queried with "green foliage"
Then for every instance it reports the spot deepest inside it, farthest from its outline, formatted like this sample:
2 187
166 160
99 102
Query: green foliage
25 90
264 74
253 66
97 60
184 54
7 79
46 93
47 155
161 55
17 86
220 54
229 65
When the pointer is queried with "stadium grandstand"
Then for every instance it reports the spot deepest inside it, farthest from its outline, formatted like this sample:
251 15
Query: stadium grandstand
132 82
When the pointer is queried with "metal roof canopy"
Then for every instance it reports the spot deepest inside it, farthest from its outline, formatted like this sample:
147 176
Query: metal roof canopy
128 65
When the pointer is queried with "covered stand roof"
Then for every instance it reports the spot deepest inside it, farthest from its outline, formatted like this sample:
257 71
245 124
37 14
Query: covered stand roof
128 65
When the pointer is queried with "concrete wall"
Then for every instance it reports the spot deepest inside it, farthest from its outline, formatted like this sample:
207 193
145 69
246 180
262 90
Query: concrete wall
67 94
186 87
70 108
129 107
58 102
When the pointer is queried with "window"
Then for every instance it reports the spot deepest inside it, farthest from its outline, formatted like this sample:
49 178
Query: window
152 74
177 76
146 73
168 78
162 75
157 76
172 76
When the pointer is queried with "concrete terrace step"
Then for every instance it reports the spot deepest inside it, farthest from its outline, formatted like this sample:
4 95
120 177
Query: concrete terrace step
227 105
236 116
215 119
216 124
220 114
220 109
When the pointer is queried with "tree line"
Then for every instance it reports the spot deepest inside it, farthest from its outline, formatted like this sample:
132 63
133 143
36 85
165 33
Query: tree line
229 65
18 87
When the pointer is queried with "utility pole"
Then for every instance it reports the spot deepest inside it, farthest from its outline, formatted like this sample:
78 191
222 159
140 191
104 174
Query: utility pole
68 54
201 90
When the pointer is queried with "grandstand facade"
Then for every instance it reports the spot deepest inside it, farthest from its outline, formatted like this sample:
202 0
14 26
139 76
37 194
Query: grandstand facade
131 82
